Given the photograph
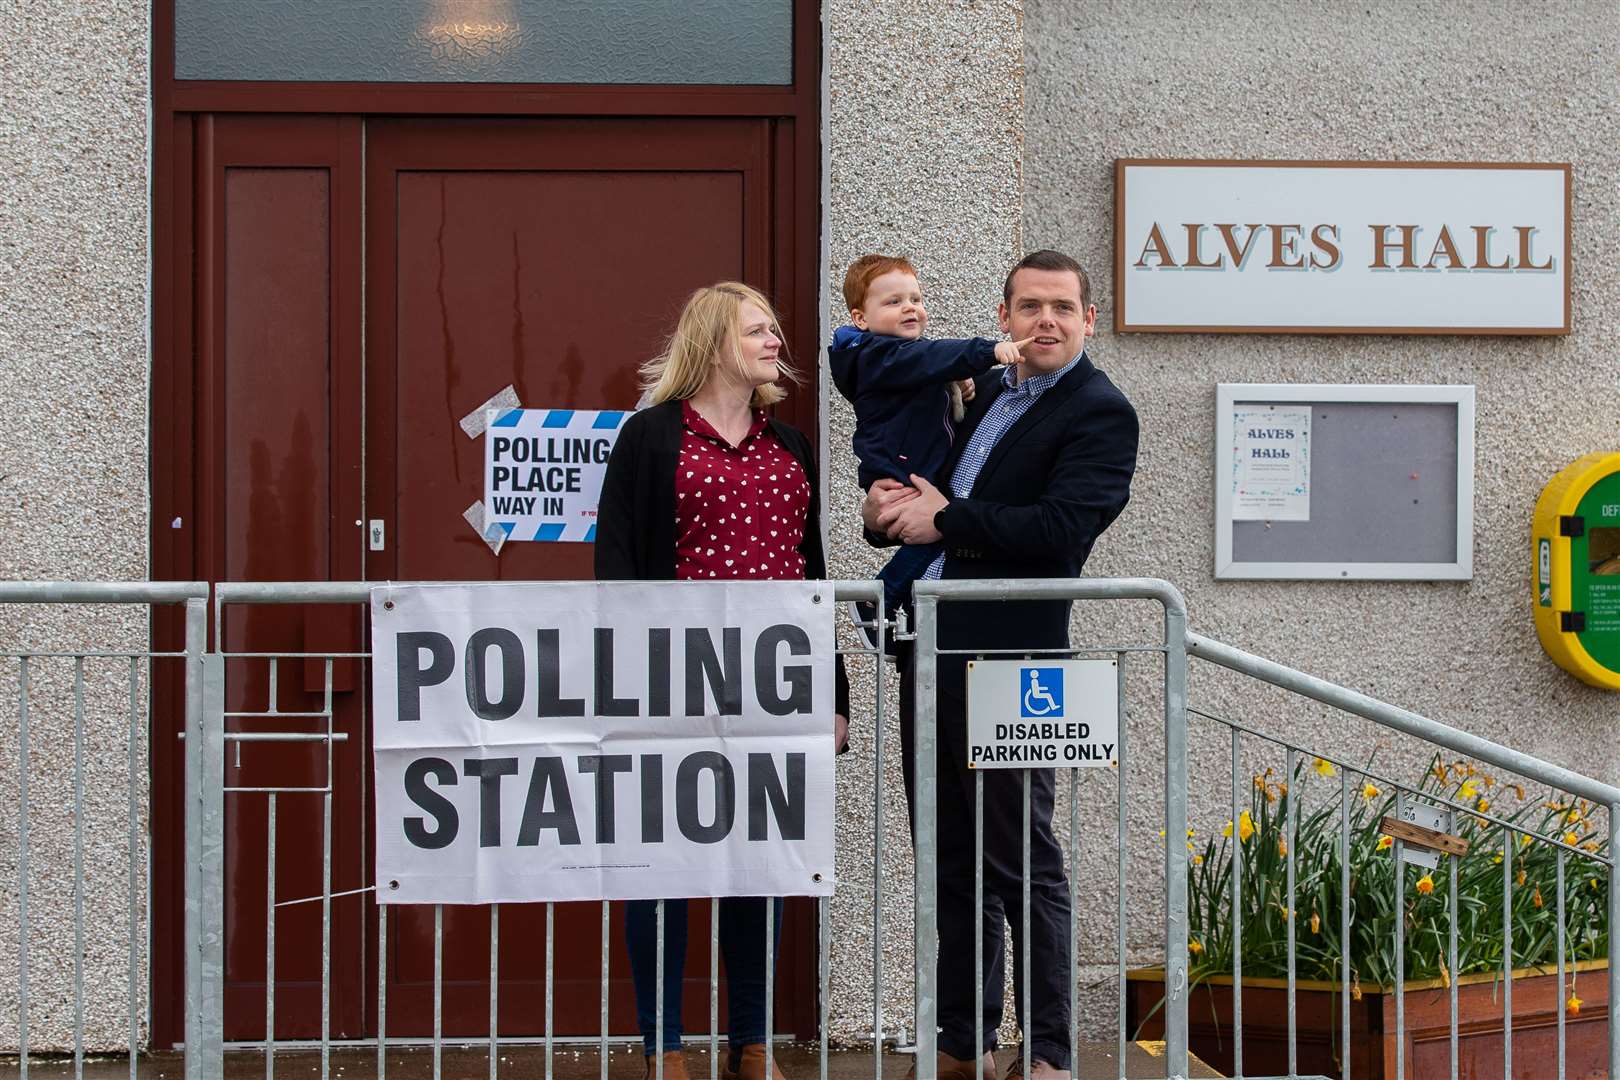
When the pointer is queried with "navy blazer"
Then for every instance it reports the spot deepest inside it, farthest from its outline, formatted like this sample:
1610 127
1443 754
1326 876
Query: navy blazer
1052 484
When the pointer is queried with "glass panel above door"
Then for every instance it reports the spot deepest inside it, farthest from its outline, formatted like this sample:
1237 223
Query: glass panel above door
747 42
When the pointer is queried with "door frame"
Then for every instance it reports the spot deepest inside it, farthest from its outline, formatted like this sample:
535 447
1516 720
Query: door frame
182 328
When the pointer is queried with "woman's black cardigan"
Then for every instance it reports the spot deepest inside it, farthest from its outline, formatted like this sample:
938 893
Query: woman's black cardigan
635 519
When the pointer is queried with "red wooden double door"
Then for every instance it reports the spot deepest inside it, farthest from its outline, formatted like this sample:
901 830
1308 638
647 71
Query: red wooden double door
346 291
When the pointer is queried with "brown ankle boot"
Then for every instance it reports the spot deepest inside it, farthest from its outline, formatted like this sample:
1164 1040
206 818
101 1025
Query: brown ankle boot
674 1066
749 1064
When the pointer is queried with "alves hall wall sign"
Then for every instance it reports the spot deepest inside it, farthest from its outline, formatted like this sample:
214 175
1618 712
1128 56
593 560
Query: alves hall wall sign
1341 247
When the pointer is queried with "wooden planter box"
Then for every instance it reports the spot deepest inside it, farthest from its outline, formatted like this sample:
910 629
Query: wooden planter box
1372 1025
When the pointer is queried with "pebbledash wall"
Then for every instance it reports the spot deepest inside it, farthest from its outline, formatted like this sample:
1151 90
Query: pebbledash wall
961 132
73 479
1457 81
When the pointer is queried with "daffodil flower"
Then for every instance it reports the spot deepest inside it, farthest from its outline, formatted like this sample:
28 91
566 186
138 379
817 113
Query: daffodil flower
1571 839
1316 923
1369 792
1226 830
1573 1004
1469 790
1425 884
1483 805
1245 826
1282 847
1536 898
1324 767
1195 947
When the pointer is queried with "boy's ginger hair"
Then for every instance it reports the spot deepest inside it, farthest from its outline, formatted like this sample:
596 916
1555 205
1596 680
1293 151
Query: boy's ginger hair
866 269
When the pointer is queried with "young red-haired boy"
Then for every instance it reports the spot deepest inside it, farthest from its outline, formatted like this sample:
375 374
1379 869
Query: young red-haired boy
904 391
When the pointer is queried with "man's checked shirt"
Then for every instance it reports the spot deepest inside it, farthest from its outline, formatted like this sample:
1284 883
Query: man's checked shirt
1011 404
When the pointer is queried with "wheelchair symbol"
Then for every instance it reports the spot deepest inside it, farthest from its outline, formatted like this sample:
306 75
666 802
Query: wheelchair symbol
1038 699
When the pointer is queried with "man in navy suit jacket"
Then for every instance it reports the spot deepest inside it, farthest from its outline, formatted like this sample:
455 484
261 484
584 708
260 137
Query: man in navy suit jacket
1040 467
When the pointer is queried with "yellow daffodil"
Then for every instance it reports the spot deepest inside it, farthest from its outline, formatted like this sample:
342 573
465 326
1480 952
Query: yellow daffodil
1282 847
1590 845
1369 792
1245 826
1469 790
1536 897
1316 923
1384 842
1483 805
1425 884
1524 841
1572 818
1520 879
1471 770
1571 839
1324 767
1490 781
1226 830
1198 860
1497 858
1445 975
1442 772
1518 791
1190 846
1573 1004
1355 986
1594 883
1195 947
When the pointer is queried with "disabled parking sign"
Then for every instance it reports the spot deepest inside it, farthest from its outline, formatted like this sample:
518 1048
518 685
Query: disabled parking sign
1053 714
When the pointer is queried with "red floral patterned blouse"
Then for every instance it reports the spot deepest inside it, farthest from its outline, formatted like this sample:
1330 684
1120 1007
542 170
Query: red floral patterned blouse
739 510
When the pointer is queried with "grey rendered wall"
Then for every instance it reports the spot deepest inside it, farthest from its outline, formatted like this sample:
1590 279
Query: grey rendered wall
926 132
1280 79
73 483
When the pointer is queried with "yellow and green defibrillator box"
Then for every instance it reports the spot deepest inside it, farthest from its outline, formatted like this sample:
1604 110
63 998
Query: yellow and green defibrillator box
1575 540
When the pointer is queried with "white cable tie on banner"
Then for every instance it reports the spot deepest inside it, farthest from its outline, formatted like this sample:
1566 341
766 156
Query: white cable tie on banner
476 421
490 532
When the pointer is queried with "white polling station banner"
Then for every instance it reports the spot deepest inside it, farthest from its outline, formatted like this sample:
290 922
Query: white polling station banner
543 471
602 741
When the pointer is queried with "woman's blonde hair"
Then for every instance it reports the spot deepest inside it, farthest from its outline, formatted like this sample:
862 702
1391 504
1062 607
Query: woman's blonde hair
706 333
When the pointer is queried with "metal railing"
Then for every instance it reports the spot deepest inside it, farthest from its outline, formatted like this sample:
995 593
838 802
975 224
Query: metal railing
108 686
1517 841
229 595
213 731
1171 646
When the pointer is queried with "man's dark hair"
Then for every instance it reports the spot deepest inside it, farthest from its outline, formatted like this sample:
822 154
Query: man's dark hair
1047 259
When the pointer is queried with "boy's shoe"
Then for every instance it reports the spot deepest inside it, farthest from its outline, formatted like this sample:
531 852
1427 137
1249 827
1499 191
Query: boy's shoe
749 1064
863 613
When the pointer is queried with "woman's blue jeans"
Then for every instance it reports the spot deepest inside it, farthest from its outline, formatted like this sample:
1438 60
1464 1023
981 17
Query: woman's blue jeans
742 951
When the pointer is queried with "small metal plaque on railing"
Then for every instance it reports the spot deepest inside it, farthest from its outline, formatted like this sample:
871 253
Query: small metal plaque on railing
1043 714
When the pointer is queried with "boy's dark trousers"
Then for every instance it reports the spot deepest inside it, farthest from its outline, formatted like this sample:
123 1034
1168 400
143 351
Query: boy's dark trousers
1047 1029
908 563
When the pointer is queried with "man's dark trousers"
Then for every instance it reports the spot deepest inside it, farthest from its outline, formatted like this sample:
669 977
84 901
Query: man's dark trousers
1050 960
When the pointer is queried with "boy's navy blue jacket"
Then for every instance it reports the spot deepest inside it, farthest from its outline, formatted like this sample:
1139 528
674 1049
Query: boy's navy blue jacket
900 390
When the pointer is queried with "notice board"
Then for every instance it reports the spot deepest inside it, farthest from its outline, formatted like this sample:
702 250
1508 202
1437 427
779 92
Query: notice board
1344 481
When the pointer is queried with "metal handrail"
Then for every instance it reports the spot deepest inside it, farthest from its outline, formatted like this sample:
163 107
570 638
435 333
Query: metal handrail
101 592
1392 716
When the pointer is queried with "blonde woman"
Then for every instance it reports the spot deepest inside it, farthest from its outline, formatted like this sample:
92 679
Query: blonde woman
684 475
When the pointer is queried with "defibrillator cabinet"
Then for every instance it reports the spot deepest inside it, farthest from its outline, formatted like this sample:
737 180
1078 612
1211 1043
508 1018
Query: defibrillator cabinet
1575 542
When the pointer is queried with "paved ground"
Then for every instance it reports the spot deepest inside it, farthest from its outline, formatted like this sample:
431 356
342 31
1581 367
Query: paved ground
799 1061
